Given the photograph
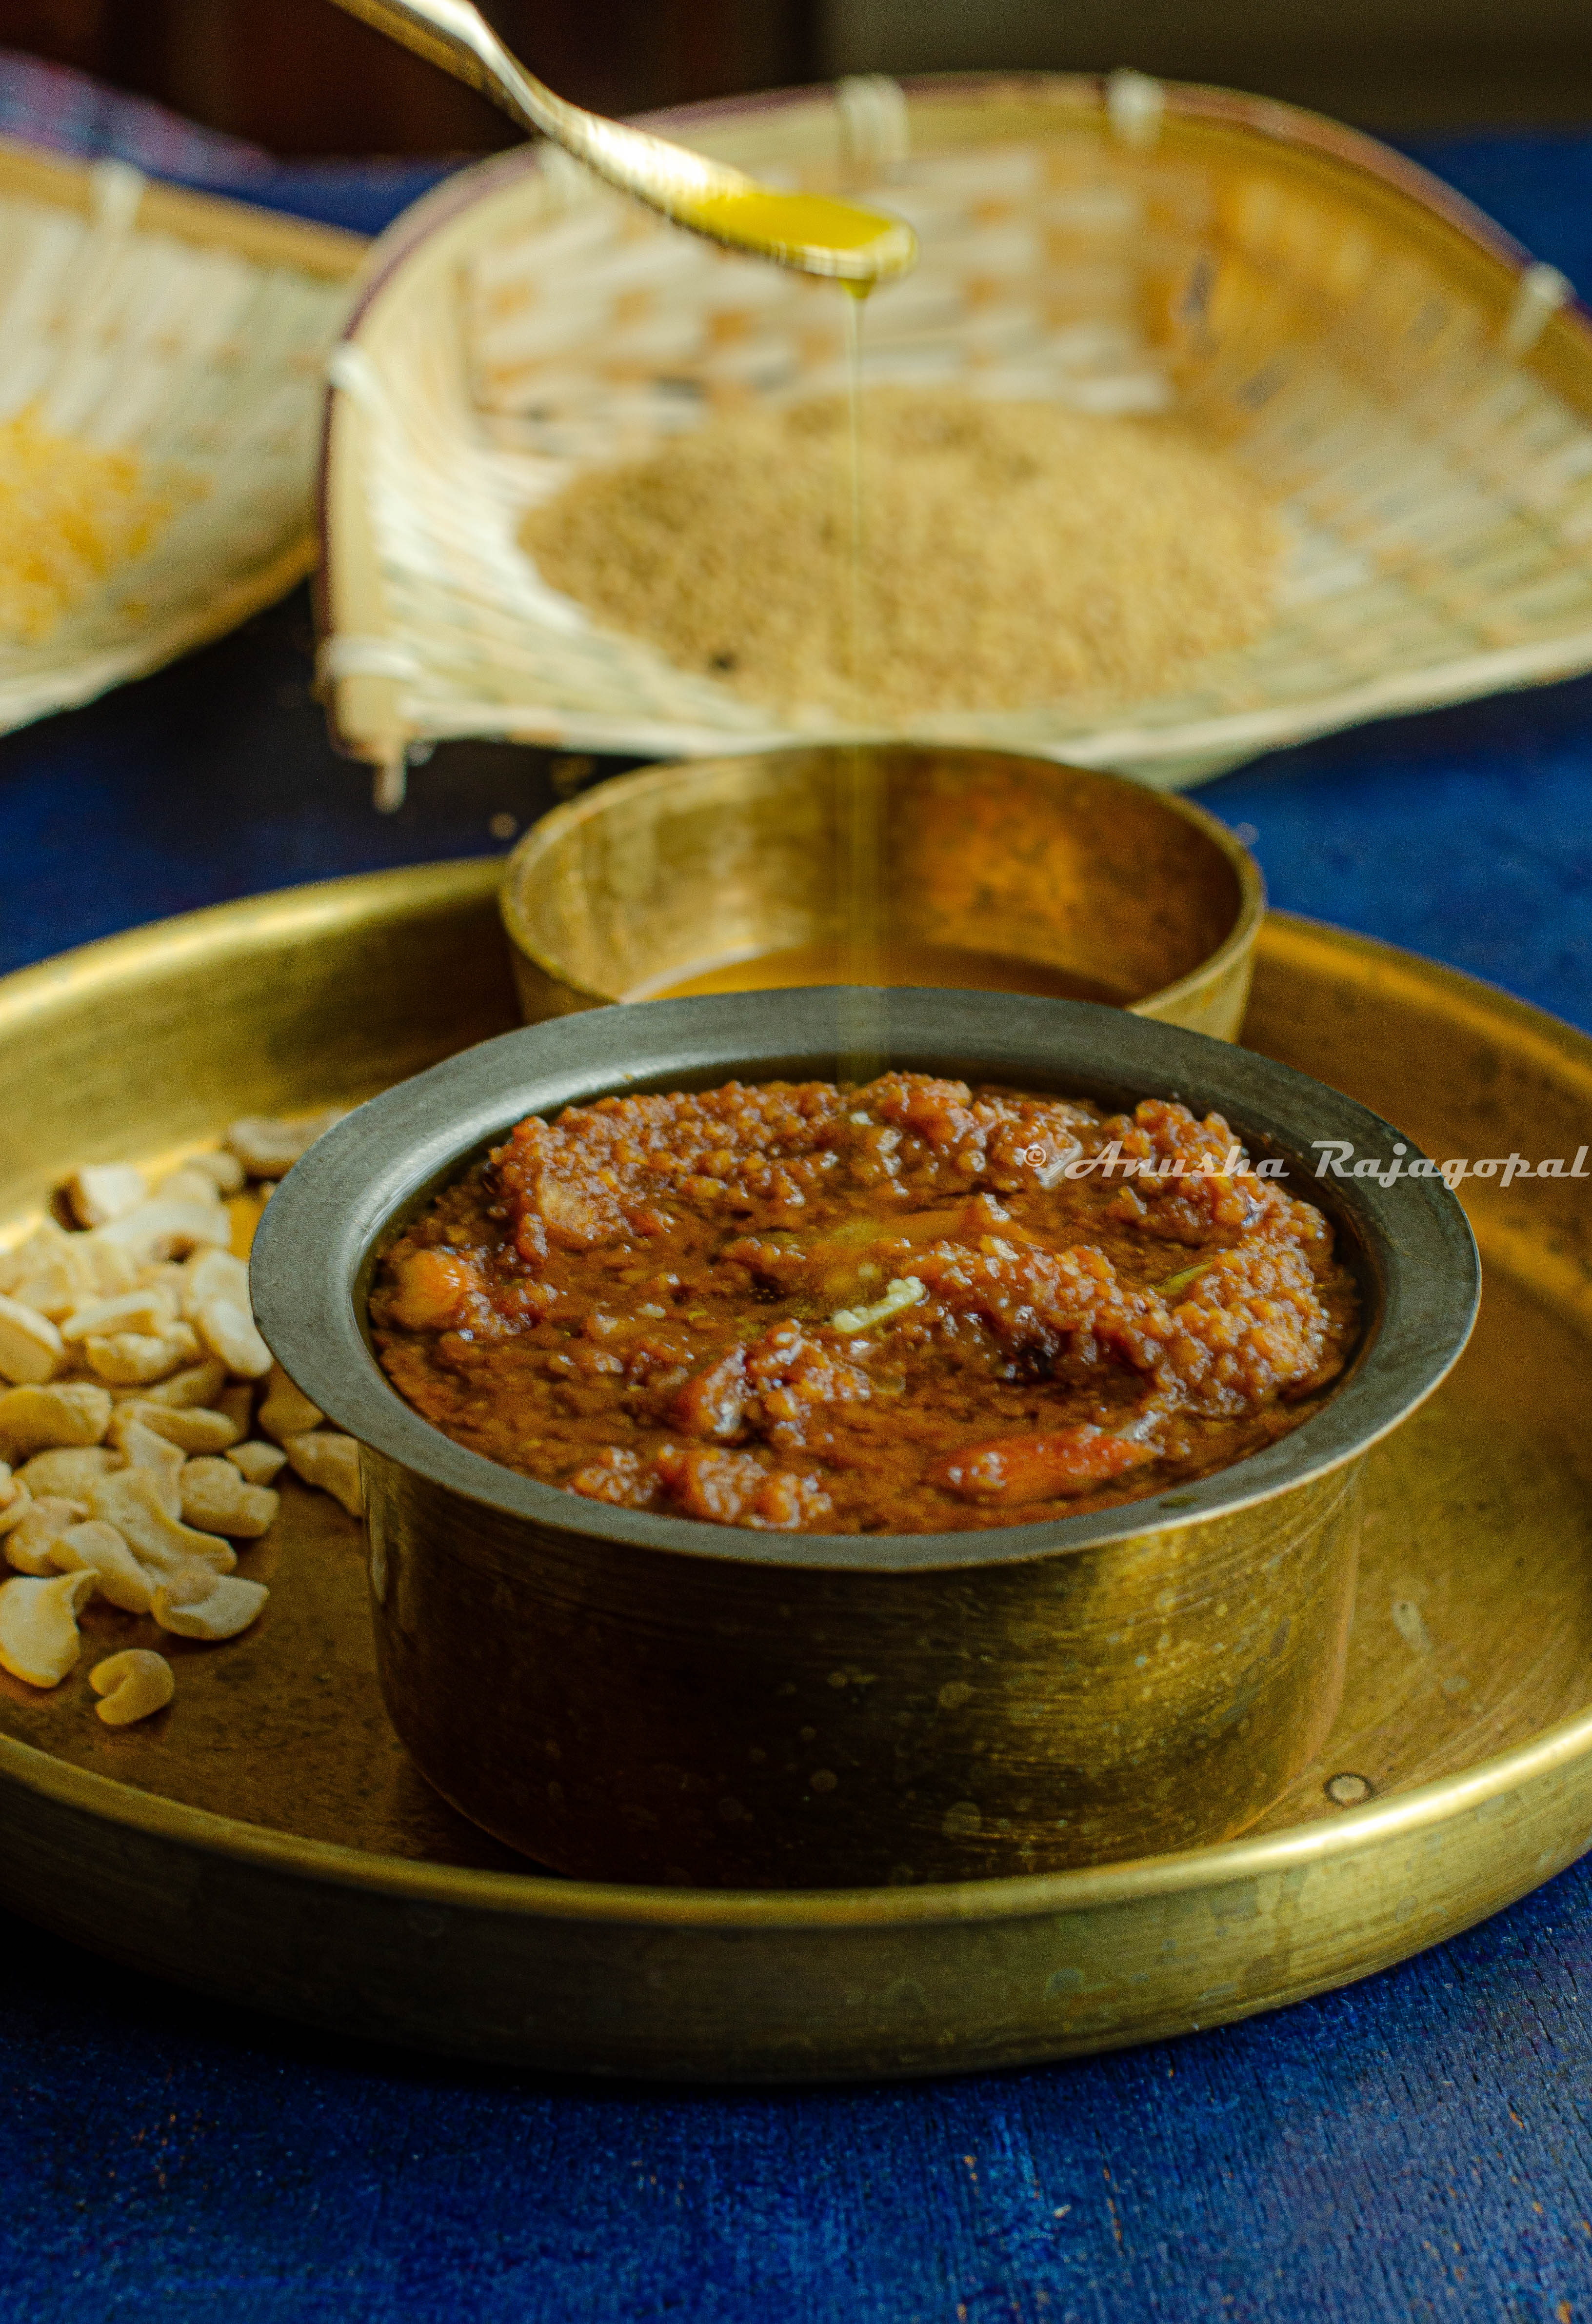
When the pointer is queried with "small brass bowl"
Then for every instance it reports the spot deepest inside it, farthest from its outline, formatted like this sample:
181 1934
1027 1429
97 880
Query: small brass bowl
1059 880
628 1696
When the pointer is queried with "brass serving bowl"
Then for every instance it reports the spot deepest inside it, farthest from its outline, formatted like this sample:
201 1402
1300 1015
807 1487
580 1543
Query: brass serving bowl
624 1695
1091 883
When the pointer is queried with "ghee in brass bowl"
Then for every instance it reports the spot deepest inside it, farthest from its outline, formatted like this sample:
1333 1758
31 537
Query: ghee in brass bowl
995 873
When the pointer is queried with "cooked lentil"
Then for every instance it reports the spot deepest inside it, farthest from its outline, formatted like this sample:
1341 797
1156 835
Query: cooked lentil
905 1309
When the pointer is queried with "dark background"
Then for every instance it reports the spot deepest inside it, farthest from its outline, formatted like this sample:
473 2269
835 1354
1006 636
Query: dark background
298 77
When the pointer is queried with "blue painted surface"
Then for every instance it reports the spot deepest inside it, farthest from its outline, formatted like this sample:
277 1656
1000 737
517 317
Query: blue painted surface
1417 2148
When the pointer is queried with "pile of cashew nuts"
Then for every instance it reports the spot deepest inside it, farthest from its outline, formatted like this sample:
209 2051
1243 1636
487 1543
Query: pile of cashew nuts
141 1418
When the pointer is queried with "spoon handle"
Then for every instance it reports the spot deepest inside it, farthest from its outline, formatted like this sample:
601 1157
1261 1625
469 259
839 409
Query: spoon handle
454 35
810 233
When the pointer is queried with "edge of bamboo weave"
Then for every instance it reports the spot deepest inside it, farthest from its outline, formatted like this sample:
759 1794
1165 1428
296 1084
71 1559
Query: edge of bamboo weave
1342 174
193 330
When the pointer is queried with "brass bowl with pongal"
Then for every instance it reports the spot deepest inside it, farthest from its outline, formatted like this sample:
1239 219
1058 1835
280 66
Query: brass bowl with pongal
632 1692
994 872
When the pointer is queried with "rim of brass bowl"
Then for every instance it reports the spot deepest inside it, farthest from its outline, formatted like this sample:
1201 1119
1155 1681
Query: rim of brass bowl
689 777
326 1225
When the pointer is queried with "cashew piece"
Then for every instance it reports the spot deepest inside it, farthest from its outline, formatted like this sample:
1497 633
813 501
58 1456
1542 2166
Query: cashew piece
73 1412
192 1426
331 1462
39 1641
285 1412
55 1272
229 1605
133 1358
259 1463
214 1275
70 1469
28 1544
153 1309
224 1169
187 1185
219 1499
268 1146
31 1349
103 1191
98 1548
228 1331
8 1485
14 1509
160 1229
160 1458
134 1501
131 1685
201 1383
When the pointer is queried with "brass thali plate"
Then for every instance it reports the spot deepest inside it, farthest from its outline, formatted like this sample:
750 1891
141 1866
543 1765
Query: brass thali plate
267 1841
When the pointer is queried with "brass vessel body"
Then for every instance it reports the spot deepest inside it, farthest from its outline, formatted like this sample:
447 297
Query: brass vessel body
655 875
622 1694
621 1715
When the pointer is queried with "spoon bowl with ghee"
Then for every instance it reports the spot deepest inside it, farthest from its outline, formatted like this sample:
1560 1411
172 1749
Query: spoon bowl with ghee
812 233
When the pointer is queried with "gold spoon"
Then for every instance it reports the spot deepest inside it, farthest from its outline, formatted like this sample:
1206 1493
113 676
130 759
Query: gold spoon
805 231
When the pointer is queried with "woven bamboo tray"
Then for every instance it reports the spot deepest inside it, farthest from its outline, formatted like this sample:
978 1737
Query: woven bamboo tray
1419 394
195 331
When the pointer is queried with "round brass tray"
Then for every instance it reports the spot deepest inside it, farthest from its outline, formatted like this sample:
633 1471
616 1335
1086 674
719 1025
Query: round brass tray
267 1840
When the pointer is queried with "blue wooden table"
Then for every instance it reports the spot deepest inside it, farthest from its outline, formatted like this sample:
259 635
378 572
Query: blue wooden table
1416 2148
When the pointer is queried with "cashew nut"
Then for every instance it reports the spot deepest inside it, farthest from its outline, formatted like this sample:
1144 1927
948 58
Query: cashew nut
160 1229
154 1308
163 1460
199 1384
268 1146
134 1501
330 1462
55 1272
215 1496
103 1191
98 1548
189 1186
30 1347
39 1641
227 1606
224 1168
285 1412
228 1331
192 1426
214 1275
73 1412
131 1685
70 1469
28 1544
16 1507
132 1359
259 1463
8 1485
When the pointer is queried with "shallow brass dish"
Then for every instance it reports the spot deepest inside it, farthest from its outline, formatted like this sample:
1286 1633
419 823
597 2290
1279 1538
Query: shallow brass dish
270 1843
649 880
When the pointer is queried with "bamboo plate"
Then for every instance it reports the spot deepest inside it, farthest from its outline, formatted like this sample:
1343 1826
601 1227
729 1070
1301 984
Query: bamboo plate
266 1840
1383 359
194 331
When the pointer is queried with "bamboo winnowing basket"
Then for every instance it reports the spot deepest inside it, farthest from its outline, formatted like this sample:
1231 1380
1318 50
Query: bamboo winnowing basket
192 330
1417 393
